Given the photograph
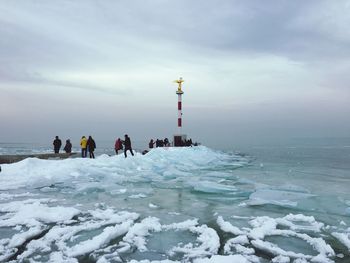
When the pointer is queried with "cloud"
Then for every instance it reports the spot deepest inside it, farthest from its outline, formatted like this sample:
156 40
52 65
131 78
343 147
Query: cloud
235 56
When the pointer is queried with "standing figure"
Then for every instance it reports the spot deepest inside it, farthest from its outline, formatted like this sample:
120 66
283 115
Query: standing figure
118 145
68 147
91 146
166 142
83 144
127 145
57 144
151 144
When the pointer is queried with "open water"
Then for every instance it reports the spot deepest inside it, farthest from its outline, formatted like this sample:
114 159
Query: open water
286 203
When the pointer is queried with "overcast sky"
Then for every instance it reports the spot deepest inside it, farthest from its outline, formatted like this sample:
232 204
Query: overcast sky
254 70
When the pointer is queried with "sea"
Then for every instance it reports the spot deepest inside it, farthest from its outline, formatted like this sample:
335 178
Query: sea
287 202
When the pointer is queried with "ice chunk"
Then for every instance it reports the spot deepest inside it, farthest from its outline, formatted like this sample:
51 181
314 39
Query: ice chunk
138 232
209 243
276 197
96 242
212 187
228 227
344 238
31 212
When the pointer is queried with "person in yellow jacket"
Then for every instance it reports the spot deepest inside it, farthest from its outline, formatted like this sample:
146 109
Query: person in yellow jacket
83 144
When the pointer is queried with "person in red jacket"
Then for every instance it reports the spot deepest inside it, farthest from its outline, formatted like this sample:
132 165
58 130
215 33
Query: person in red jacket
118 145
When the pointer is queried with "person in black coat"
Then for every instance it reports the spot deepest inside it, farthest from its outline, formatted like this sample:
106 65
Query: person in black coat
151 144
127 145
68 147
91 145
57 144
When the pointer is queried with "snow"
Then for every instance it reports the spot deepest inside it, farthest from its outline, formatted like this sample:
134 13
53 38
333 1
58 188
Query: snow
98 241
137 233
33 212
262 227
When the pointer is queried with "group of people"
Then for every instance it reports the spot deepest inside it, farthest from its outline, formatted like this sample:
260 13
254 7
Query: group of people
87 145
123 145
57 143
166 143
159 143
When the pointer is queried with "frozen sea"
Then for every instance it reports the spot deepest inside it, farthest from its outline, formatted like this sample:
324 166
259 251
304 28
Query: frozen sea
286 203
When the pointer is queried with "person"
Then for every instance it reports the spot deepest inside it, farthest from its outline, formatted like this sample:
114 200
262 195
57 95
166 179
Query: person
57 144
91 146
151 144
127 145
166 142
68 147
190 142
83 144
157 143
118 145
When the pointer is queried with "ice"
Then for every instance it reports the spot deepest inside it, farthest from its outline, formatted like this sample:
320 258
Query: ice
98 241
223 259
262 227
277 197
281 259
33 212
170 205
344 238
209 243
18 239
227 227
212 187
136 235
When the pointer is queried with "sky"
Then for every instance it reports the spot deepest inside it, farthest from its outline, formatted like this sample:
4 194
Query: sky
255 71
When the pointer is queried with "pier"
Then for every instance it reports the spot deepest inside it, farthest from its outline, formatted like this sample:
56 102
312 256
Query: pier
46 156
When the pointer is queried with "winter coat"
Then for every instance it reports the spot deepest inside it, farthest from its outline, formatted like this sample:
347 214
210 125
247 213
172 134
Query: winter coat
91 145
83 143
57 143
68 147
127 143
118 144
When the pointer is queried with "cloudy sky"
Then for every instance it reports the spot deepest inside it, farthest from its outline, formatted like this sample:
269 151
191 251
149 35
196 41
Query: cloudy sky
254 70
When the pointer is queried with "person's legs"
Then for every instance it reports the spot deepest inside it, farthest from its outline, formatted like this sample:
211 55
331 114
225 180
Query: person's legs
125 152
93 155
116 151
131 152
84 152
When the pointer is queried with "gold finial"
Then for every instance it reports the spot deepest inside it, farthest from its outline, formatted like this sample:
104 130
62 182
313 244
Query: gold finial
179 82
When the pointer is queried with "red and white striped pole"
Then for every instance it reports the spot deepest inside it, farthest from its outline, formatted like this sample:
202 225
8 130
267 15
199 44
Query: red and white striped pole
179 93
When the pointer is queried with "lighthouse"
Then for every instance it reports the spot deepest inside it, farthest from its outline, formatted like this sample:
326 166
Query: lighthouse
179 138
